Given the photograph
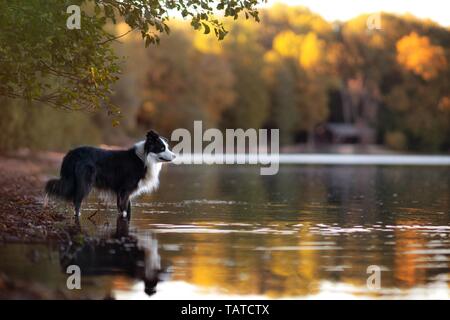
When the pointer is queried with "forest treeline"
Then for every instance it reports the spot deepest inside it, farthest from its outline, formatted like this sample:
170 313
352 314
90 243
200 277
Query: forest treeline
294 71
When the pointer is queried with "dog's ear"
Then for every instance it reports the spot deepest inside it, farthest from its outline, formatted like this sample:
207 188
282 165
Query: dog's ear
152 135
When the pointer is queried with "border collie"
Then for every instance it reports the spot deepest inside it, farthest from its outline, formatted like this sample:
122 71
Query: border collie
125 173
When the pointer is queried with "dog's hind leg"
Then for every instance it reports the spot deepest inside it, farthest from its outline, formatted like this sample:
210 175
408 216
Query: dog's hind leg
77 204
84 180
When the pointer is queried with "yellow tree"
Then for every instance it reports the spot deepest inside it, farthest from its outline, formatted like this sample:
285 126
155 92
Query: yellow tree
306 53
416 53
416 101
245 55
182 84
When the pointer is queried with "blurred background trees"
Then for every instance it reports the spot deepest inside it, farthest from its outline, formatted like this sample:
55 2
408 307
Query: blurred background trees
318 82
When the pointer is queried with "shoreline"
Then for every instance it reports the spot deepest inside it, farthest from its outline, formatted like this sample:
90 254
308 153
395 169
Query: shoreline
23 217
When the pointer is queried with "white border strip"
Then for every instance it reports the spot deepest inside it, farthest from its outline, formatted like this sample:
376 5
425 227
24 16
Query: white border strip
334 159
366 159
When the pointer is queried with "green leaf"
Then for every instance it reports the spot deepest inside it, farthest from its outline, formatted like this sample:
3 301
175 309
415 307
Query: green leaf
207 28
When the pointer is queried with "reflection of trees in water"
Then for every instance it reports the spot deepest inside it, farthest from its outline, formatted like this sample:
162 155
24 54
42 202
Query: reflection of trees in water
406 271
417 199
220 260
338 197
116 254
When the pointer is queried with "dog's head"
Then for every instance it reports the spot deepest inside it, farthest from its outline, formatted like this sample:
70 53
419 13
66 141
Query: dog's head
157 148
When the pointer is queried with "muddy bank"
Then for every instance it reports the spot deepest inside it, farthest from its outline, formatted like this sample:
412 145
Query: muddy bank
23 217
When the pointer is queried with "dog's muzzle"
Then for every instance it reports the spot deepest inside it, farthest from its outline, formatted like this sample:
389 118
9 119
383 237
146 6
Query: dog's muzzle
167 156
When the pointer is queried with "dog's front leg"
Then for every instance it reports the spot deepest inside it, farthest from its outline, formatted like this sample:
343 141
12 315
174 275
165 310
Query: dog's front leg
123 199
129 209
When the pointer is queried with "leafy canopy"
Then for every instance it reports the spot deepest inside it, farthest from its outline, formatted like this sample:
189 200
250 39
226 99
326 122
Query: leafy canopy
41 60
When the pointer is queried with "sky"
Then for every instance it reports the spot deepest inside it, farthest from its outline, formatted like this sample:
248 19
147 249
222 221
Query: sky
436 10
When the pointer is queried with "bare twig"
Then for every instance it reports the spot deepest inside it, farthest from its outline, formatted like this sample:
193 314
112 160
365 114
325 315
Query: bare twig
117 37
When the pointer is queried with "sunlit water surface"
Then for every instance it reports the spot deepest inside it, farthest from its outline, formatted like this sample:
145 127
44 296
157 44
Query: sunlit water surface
307 232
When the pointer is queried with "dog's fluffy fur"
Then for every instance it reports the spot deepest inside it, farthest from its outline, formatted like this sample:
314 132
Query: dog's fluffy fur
125 173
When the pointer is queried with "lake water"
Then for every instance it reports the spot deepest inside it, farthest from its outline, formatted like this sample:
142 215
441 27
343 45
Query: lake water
307 232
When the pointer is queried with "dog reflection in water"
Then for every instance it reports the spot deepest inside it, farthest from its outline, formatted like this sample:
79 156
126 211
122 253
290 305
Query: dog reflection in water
117 253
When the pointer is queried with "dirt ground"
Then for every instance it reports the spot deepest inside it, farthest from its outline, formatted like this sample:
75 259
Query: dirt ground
23 217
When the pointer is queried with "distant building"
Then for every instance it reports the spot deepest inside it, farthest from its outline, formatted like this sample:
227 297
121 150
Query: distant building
353 117
350 133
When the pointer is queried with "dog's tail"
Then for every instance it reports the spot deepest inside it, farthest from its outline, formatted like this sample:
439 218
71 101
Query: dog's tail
60 188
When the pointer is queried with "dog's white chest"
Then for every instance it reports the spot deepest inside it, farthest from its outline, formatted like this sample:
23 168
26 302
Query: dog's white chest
150 181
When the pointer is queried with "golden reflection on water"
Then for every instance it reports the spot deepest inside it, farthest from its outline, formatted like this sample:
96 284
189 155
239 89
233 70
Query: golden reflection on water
309 232
297 273
405 266
298 267
321 229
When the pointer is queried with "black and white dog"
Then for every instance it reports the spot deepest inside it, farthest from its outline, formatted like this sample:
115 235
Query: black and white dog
125 173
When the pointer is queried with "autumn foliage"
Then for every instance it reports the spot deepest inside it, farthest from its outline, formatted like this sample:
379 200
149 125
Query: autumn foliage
416 53
294 71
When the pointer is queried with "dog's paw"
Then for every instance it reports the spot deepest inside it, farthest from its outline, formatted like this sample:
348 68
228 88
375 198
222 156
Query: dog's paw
45 201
